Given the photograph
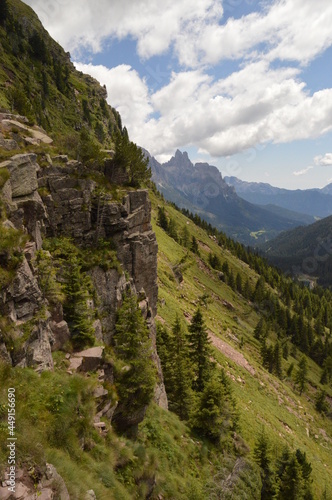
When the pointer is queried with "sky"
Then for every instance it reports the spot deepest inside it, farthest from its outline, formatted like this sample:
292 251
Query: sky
245 85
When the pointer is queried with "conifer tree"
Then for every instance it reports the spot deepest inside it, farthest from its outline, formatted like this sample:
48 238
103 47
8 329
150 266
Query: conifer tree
260 331
291 481
194 245
135 374
162 220
200 350
301 374
180 373
262 455
277 360
208 419
321 404
75 307
185 236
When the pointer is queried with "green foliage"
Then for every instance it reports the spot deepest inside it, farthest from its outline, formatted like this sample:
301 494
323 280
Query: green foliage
47 278
3 11
76 288
88 148
301 374
162 219
321 403
214 261
38 47
262 455
130 159
11 246
19 101
135 375
200 351
177 368
215 413
194 246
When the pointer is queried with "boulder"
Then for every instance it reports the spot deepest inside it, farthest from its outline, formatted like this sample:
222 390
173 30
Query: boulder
39 355
23 174
61 334
91 359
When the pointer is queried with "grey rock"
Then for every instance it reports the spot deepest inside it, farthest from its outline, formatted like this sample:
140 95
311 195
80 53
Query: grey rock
61 334
90 495
4 354
23 293
23 174
54 480
91 359
39 355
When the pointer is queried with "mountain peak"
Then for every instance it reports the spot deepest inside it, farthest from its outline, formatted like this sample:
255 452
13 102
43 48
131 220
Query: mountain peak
180 160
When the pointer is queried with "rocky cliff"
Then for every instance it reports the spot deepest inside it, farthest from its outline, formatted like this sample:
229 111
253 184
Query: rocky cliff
48 197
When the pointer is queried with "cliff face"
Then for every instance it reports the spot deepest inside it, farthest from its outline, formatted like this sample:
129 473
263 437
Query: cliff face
60 199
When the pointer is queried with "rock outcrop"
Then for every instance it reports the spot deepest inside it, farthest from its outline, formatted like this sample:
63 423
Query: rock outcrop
49 486
61 198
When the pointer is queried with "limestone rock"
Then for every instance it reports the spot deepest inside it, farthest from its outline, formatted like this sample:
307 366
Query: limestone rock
90 495
23 296
39 355
23 174
61 334
36 132
4 354
91 358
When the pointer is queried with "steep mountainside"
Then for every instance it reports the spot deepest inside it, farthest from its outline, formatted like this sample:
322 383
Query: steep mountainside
38 80
314 202
202 189
143 353
304 250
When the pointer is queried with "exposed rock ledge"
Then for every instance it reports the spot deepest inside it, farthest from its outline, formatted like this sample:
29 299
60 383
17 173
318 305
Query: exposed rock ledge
61 200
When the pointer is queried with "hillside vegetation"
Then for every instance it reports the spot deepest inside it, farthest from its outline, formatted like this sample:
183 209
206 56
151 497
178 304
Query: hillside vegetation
304 251
245 352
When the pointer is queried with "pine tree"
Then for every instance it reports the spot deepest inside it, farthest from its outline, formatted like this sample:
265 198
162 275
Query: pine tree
135 372
291 481
185 236
260 331
178 386
277 360
238 282
130 158
172 229
208 418
301 374
262 455
162 219
321 403
75 307
194 245
199 345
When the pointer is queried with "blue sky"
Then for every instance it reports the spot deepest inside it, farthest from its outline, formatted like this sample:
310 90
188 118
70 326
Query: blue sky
245 85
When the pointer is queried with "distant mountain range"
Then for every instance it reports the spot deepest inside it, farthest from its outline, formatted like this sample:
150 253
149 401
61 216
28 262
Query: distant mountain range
314 202
201 189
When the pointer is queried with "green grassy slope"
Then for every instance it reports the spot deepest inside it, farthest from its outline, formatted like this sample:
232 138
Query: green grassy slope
263 399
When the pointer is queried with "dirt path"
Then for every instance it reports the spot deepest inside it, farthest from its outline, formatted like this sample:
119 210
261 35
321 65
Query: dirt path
231 353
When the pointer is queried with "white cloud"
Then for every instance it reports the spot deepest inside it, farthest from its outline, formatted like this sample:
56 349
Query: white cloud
254 105
288 29
325 160
78 24
302 172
